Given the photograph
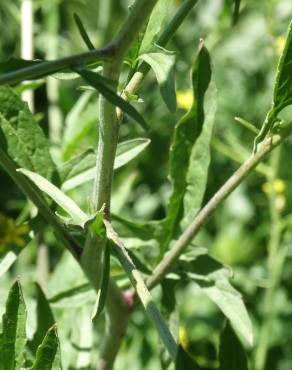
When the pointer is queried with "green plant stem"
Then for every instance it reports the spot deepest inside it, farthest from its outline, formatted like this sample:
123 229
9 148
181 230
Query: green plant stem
166 35
33 194
142 292
106 151
192 230
50 67
276 259
118 313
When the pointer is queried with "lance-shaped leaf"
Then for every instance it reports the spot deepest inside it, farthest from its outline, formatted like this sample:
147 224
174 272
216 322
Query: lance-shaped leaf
282 96
13 337
213 279
189 153
231 352
142 290
83 32
48 353
156 21
103 286
45 319
82 168
101 85
236 9
283 86
25 141
184 361
162 62
67 204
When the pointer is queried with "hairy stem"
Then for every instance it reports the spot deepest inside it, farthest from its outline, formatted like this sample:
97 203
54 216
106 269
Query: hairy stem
191 231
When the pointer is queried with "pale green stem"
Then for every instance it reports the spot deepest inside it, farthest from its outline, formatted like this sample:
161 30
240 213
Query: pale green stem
27 19
50 67
52 20
276 259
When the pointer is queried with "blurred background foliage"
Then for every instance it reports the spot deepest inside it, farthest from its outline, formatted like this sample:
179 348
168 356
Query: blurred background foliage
251 232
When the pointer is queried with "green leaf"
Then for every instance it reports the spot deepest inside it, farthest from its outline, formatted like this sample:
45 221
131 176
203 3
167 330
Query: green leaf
213 279
82 168
48 356
156 21
282 96
283 85
13 338
67 204
231 352
190 149
45 318
101 85
83 32
184 361
25 140
162 62
103 286
236 10
7 261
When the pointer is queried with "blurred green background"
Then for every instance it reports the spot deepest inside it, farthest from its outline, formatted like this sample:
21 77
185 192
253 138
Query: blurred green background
251 232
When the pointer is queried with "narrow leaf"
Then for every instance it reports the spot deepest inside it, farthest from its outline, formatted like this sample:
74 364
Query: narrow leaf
100 84
162 62
48 356
236 9
282 96
82 168
83 32
184 361
231 352
282 91
13 330
66 203
45 318
103 287
189 153
213 279
156 21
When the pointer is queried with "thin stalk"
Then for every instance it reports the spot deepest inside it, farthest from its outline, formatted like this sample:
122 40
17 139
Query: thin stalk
207 211
26 42
276 259
52 20
50 67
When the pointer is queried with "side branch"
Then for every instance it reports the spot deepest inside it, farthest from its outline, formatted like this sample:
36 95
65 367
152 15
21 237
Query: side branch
192 230
49 67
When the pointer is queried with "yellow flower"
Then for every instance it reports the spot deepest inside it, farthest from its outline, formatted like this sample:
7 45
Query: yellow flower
183 337
278 186
184 99
11 234
279 44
